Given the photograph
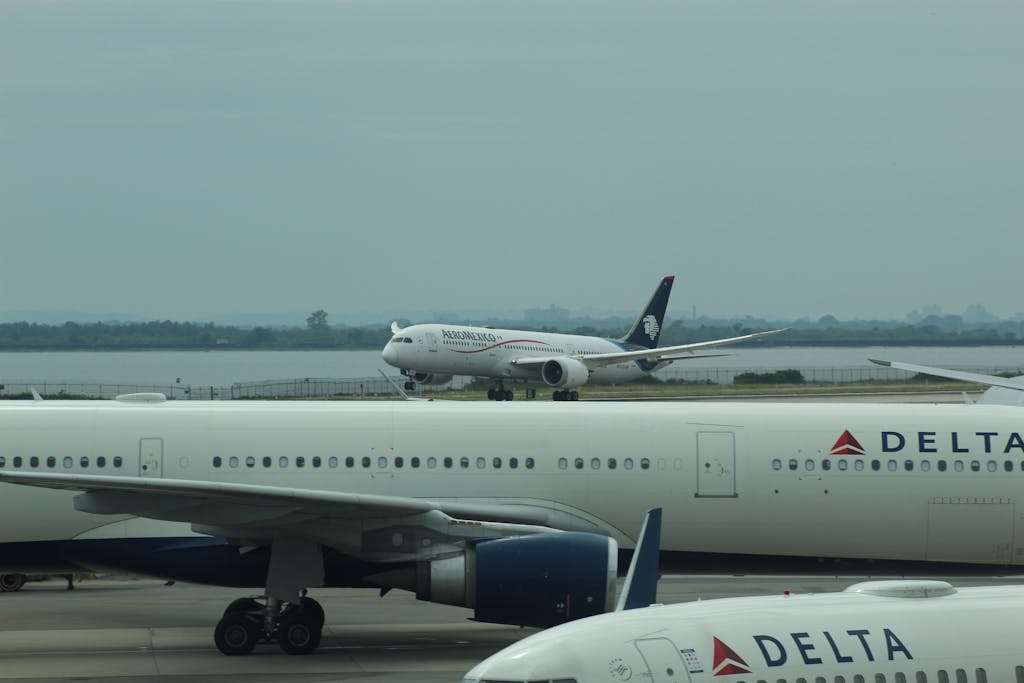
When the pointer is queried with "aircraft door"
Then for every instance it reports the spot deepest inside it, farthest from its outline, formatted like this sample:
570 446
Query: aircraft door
716 465
151 457
431 342
664 662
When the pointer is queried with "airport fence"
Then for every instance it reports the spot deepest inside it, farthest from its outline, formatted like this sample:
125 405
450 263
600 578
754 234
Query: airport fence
323 387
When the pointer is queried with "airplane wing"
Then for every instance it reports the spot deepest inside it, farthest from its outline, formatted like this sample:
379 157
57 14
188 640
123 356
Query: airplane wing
665 353
347 521
990 380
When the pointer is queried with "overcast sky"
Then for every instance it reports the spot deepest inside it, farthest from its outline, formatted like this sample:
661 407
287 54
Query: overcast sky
789 158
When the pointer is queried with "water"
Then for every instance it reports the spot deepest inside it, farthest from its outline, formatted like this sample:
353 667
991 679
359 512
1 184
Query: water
224 368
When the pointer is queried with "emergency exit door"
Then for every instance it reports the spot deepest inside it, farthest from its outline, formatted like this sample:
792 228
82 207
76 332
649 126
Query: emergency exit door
151 457
664 663
716 465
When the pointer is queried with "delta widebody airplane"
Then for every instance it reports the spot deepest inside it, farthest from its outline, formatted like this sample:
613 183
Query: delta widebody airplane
432 354
873 632
516 511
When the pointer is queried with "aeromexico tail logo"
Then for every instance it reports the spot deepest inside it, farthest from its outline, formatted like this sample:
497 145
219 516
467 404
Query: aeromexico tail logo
727 662
651 326
847 444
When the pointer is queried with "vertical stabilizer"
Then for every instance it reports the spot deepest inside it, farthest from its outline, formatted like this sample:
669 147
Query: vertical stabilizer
641 586
647 328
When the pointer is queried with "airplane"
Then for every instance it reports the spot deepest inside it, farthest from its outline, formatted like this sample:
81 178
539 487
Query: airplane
873 629
433 353
907 631
516 512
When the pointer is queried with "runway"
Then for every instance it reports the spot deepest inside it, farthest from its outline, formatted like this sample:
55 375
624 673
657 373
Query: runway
128 630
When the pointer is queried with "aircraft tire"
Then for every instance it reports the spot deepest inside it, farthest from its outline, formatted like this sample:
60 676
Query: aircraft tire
311 608
236 634
10 583
243 605
299 632
490 394
574 395
509 395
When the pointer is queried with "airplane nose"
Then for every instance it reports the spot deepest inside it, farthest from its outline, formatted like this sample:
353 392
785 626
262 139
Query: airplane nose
390 354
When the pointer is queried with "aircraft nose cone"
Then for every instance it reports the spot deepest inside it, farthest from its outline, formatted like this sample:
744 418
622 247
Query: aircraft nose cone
390 354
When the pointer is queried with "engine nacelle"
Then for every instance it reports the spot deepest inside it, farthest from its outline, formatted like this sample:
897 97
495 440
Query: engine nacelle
564 372
428 378
540 580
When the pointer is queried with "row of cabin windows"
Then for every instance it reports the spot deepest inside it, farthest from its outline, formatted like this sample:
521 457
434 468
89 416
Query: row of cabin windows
610 463
67 462
366 462
841 464
941 676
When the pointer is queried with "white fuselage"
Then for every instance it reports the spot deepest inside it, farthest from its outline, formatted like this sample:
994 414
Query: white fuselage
914 482
973 634
486 352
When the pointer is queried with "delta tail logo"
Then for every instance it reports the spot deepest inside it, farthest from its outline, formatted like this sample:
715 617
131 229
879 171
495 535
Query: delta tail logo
847 444
651 326
727 662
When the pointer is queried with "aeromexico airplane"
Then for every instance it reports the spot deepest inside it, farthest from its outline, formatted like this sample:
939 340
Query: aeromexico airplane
516 511
432 354
903 631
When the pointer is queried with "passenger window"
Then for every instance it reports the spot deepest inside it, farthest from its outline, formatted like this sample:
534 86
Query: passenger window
843 465
118 461
1008 466
431 462
84 462
332 462
17 461
892 465
447 463
858 465
858 679
350 461
382 462
980 676
611 463
943 676
481 463
826 464
1019 672
975 466
901 677
926 465
627 463
645 464
595 463
876 465
908 465
879 678
809 465
3 461
496 463
776 464
563 463
920 677
961 676
316 461
578 462
464 463
958 465
942 466
793 463
216 461
399 461
233 461
992 466
415 462
366 461
68 462
529 463
267 461
33 461
250 461
282 462
300 461
513 463
51 461
820 679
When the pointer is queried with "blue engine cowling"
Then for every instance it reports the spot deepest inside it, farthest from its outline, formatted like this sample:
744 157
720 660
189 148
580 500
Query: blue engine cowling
540 580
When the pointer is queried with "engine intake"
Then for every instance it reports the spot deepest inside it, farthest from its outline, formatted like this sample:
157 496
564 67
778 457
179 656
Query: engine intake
564 372
428 378
540 580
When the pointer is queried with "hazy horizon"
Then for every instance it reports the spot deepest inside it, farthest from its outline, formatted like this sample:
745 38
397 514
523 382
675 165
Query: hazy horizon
788 160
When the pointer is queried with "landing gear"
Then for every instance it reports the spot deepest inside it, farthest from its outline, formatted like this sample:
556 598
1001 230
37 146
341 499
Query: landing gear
565 395
499 393
11 582
296 628
409 386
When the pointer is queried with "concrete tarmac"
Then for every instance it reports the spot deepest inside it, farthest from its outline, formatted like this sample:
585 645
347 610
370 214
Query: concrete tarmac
128 630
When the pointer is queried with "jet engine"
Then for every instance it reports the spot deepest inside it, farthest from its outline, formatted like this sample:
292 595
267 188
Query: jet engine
564 372
540 580
431 379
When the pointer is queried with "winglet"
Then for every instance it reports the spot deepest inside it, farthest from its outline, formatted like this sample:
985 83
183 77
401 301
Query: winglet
641 586
991 380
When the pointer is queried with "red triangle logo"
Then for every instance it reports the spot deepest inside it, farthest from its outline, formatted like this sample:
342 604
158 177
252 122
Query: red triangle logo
727 662
847 444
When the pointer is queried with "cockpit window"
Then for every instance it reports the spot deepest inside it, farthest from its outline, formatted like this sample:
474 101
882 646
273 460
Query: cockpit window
401 340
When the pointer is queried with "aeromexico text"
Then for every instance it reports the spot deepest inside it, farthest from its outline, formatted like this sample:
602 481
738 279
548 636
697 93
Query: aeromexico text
469 336
974 442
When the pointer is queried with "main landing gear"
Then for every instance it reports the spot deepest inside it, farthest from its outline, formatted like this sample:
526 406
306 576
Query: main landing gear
499 392
296 628
565 395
